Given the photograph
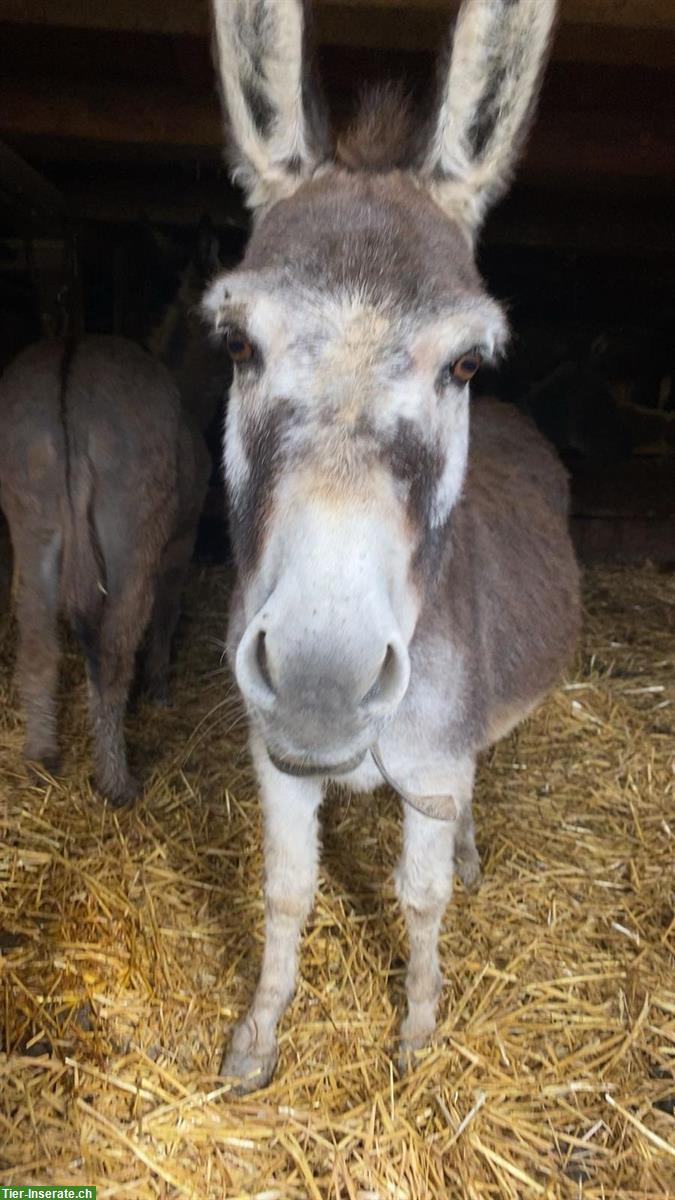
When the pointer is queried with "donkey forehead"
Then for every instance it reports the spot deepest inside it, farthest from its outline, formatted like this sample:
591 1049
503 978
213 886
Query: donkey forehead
381 234
370 262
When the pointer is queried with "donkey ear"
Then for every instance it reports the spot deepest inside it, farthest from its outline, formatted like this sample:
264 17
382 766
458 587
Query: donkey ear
488 93
276 127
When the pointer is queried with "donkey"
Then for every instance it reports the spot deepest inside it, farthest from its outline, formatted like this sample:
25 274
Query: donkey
199 364
406 588
102 479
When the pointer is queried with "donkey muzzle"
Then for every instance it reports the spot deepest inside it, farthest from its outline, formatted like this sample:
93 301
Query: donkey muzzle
319 700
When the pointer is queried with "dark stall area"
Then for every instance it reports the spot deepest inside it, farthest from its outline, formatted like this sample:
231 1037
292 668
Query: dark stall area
123 932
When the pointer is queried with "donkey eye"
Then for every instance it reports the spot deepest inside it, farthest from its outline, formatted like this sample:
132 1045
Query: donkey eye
464 368
239 348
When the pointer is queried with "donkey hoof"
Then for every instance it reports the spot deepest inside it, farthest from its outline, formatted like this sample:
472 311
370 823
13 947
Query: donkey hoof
121 797
40 764
417 1031
246 1064
410 1053
251 1071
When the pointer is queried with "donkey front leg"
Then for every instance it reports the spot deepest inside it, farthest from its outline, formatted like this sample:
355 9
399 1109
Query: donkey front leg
424 886
290 808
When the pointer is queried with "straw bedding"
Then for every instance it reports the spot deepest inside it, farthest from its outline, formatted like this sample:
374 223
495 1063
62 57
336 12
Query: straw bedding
130 943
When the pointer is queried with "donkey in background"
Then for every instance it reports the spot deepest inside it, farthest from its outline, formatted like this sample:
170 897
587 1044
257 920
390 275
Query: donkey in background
407 589
200 365
102 479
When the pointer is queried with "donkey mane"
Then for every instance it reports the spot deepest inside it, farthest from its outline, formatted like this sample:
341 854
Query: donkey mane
385 134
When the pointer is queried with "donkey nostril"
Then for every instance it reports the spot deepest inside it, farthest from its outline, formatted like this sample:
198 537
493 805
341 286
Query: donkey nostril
389 673
254 668
388 665
262 661
390 678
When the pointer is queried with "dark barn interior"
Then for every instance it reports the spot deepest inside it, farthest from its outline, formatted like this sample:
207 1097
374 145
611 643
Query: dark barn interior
111 138
130 937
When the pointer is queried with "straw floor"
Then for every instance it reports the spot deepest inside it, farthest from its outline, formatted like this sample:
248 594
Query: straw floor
130 944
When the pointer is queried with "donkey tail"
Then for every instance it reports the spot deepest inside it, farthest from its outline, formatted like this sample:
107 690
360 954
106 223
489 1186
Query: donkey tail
83 566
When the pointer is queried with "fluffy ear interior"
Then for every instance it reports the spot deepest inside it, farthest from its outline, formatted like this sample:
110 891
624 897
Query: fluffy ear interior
488 94
276 126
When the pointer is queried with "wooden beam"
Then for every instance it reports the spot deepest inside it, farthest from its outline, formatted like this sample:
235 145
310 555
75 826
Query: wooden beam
636 487
635 14
112 111
592 127
167 124
192 16
339 24
132 16
615 46
597 31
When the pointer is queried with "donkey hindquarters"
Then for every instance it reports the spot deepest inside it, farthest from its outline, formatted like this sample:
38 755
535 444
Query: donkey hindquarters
101 481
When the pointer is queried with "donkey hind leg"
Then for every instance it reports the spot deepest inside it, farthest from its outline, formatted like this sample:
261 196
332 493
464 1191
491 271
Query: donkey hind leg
291 862
110 672
165 614
37 565
423 885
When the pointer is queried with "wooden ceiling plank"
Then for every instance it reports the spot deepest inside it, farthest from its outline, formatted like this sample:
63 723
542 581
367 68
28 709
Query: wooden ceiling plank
168 120
109 111
192 16
132 16
646 14
415 31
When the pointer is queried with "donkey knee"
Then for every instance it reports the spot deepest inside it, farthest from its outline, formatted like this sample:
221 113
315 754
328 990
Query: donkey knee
423 895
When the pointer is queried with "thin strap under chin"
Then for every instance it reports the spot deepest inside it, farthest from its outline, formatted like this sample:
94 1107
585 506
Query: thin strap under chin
416 802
